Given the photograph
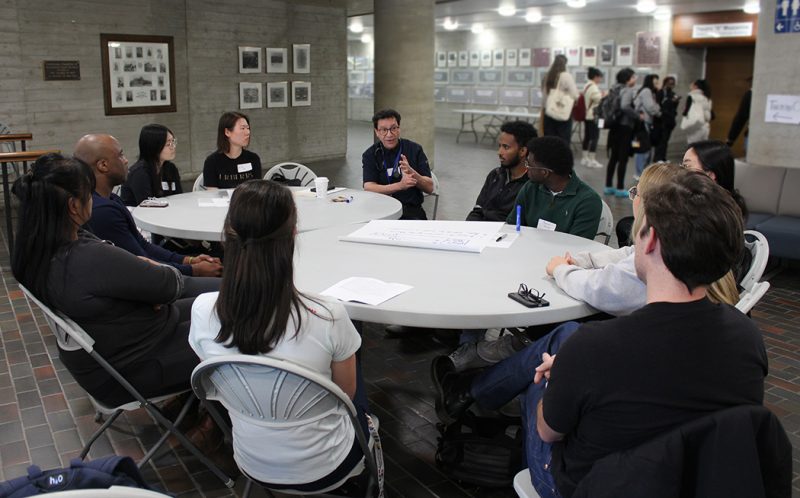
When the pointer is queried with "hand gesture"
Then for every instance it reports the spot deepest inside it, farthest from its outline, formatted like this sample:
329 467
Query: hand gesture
206 257
409 178
543 370
557 261
206 268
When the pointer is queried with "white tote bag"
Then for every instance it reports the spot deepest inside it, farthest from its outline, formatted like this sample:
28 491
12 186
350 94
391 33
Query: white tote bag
559 103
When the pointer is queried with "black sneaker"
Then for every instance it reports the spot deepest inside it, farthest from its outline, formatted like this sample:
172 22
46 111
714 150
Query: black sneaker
453 397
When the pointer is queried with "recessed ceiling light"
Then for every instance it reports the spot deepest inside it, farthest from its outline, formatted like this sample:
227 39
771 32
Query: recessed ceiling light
752 7
662 14
533 15
477 28
450 24
646 6
366 38
356 26
576 4
507 10
557 21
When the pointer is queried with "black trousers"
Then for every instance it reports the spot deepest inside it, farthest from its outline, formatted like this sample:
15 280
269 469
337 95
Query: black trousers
590 135
660 152
412 212
620 143
556 128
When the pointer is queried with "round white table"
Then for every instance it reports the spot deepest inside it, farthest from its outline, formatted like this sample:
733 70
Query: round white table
184 217
451 290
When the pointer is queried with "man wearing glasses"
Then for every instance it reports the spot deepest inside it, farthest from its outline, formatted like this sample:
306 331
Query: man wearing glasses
396 166
554 197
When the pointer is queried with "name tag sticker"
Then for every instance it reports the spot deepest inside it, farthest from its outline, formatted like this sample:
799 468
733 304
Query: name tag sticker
165 186
389 172
601 123
546 225
244 167
173 186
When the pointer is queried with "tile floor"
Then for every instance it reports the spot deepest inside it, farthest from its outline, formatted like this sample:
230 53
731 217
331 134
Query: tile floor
45 416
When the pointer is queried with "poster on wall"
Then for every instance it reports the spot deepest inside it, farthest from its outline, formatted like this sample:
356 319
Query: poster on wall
250 95
536 97
581 77
462 76
249 59
573 56
541 57
511 57
484 96
440 76
486 58
463 58
520 76
138 74
490 76
514 96
524 58
589 55
441 59
474 58
301 59
277 60
607 53
499 58
460 95
648 49
452 59
278 94
624 55
559 51
301 93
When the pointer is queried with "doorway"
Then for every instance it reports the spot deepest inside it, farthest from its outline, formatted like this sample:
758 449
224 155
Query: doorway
727 72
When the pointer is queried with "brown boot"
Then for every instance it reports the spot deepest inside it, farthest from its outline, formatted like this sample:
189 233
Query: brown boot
206 435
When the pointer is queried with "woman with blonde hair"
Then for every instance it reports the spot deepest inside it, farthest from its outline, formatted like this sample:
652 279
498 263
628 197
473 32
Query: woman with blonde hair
560 95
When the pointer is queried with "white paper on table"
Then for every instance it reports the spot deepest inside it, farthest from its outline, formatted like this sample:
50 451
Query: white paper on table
505 242
214 202
464 236
365 290
308 193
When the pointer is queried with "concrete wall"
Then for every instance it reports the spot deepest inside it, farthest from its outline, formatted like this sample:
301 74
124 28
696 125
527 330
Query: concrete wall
206 36
775 71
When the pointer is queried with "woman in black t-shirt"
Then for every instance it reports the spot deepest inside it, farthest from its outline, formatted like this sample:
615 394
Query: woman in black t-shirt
231 164
157 146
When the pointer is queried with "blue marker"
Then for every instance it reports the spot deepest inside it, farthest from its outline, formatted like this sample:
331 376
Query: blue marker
519 216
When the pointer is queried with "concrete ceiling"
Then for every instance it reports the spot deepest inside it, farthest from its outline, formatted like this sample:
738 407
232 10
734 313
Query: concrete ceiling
467 12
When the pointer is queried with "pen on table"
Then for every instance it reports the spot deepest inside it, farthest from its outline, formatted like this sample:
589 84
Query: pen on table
519 216
498 239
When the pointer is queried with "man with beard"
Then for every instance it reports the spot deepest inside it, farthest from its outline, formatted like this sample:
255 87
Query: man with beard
554 197
502 184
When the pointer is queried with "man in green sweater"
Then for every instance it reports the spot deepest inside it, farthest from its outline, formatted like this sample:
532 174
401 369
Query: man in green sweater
554 197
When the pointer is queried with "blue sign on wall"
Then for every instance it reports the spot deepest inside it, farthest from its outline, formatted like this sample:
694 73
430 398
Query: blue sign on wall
787 16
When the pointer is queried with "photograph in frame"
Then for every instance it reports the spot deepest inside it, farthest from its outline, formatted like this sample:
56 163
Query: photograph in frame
452 59
542 57
484 95
648 49
486 58
459 94
573 56
607 53
250 95
581 76
520 76
516 96
462 76
499 57
250 60
301 93
137 74
524 59
277 60
589 55
559 51
624 55
463 58
490 76
441 59
474 58
511 57
536 97
441 76
278 94
301 59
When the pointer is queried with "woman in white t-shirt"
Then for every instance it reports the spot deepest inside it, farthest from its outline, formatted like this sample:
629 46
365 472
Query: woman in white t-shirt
591 98
258 311
560 96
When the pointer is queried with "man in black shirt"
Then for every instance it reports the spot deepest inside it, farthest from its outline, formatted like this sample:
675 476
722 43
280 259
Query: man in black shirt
502 184
396 166
622 382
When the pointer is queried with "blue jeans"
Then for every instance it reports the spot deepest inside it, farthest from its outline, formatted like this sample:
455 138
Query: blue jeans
643 158
514 376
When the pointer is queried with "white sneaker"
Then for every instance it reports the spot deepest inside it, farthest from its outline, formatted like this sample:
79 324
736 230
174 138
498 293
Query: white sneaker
585 161
595 164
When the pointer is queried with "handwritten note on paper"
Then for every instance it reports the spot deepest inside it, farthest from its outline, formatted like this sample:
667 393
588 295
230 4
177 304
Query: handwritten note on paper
365 290
783 109
464 236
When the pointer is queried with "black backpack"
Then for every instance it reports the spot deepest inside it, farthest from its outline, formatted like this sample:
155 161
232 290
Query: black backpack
610 108
484 451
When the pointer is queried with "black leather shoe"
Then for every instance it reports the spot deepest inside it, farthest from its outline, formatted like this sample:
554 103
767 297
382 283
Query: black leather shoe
453 397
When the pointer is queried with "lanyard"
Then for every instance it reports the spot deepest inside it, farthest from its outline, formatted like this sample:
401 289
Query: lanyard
395 165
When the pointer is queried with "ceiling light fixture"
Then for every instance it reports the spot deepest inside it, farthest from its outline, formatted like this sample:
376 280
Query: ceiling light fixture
557 21
449 24
477 28
533 15
662 14
356 26
366 38
576 4
646 6
752 7
507 10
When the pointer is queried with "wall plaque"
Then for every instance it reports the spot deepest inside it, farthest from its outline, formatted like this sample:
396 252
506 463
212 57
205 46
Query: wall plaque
62 70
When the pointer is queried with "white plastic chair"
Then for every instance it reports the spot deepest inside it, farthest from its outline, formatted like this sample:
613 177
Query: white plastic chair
758 246
750 297
112 492
71 337
276 393
606 226
523 485
292 171
198 184
434 194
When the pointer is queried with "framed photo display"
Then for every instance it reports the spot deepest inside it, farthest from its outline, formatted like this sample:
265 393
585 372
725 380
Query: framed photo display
278 94
607 53
301 93
250 59
138 74
301 59
277 60
589 55
250 96
524 58
624 55
648 49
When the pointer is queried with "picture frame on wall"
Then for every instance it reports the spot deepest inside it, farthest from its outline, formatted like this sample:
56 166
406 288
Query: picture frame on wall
524 58
484 95
462 76
250 95
463 58
141 80
624 55
474 58
607 53
490 76
439 94
301 93
542 57
537 97
499 57
520 76
486 58
573 56
581 76
440 77
250 59
558 51
589 55
516 96
511 57
278 94
277 60
452 59
301 59
648 49
441 59
459 94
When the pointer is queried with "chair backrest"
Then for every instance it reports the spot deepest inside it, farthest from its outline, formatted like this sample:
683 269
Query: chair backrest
70 335
750 297
117 189
292 171
523 485
606 226
758 246
198 184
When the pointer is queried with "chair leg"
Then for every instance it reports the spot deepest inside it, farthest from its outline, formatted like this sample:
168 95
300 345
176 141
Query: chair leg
435 206
152 451
248 486
99 431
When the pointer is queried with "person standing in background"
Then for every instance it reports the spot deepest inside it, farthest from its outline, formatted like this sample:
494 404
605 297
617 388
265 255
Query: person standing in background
591 133
664 124
560 96
648 108
697 115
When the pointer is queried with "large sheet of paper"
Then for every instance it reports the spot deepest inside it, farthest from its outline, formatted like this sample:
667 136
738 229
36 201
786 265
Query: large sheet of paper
365 290
464 236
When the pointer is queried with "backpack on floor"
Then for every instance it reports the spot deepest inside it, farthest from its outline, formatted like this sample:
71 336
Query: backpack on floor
610 108
484 451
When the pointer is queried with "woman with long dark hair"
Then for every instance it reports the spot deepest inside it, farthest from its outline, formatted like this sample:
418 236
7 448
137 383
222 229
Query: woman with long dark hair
157 146
648 109
715 159
258 311
560 95
128 305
